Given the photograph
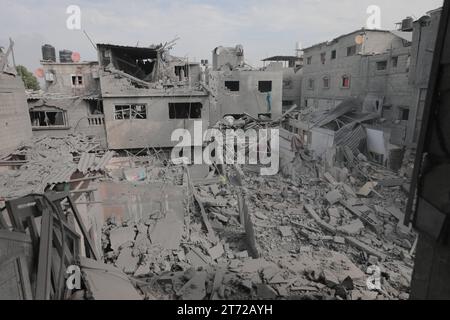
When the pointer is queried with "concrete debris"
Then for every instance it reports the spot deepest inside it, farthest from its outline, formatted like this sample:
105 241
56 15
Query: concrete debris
120 236
207 232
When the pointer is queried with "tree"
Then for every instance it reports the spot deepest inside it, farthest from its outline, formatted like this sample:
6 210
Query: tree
28 78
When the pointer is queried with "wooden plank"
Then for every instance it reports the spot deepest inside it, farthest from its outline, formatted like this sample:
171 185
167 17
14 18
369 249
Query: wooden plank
43 282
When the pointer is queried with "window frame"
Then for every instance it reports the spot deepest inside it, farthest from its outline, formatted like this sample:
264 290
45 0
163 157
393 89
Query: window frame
265 82
381 63
127 114
351 51
174 114
327 78
311 84
346 76
75 80
230 83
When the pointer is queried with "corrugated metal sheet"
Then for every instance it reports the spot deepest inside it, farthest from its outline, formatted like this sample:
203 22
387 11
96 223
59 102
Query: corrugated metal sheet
351 138
87 161
62 175
104 161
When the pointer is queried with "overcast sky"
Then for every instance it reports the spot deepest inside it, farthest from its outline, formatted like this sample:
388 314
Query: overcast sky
263 27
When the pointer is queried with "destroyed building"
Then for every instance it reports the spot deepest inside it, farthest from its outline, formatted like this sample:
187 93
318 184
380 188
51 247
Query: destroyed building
70 101
375 71
237 88
139 224
147 94
291 67
15 126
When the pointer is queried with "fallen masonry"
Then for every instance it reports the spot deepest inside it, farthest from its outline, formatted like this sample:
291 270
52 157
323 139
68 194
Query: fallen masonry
161 230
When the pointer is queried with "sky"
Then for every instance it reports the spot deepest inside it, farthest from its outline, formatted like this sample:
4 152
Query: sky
264 27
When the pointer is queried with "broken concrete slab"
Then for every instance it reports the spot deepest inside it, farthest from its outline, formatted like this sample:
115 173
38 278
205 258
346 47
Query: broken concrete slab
265 292
195 288
105 282
216 252
333 197
396 212
126 261
353 228
364 247
197 259
120 236
319 221
367 189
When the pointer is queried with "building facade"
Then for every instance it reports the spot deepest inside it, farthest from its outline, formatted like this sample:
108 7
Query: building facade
70 101
15 125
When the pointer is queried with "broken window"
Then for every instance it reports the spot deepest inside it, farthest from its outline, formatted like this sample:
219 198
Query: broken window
326 82
351 51
185 110
394 62
309 60
48 117
232 85
345 81
381 65
323 57
130 111
333 54
95 107
182 72
287 103
265 86
311 84
403 114
77 81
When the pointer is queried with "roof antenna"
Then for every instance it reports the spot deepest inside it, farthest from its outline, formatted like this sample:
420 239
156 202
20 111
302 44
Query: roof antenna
89 38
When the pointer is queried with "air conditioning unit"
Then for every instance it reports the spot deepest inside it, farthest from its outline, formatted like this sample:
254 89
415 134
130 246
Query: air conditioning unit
50 77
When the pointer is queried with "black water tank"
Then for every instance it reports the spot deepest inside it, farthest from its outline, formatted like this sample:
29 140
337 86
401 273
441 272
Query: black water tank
48 53
65 56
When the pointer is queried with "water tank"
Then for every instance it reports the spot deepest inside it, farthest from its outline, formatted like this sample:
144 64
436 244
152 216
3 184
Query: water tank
48 53
408 24
65 56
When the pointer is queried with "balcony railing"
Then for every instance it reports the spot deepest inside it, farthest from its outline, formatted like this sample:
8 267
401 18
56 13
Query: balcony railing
97 120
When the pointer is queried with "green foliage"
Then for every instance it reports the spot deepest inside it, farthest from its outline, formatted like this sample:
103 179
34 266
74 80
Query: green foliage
30 81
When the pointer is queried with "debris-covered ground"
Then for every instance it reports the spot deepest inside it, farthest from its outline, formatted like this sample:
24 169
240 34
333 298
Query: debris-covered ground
225 232
316 237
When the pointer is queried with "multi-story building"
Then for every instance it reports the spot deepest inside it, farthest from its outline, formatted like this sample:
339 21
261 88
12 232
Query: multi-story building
425 32
15 126
147 94
237 89
291 67
70 101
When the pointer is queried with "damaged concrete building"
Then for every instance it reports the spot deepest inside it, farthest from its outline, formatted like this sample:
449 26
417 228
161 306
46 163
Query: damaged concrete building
70 101
291 67
147 94
15 126
237 88
375 71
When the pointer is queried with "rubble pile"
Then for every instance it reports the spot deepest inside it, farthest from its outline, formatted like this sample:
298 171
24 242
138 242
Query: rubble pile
316 238
46 159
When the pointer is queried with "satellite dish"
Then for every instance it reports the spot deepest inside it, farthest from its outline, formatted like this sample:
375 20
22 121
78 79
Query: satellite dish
75 57
359 39
39 73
